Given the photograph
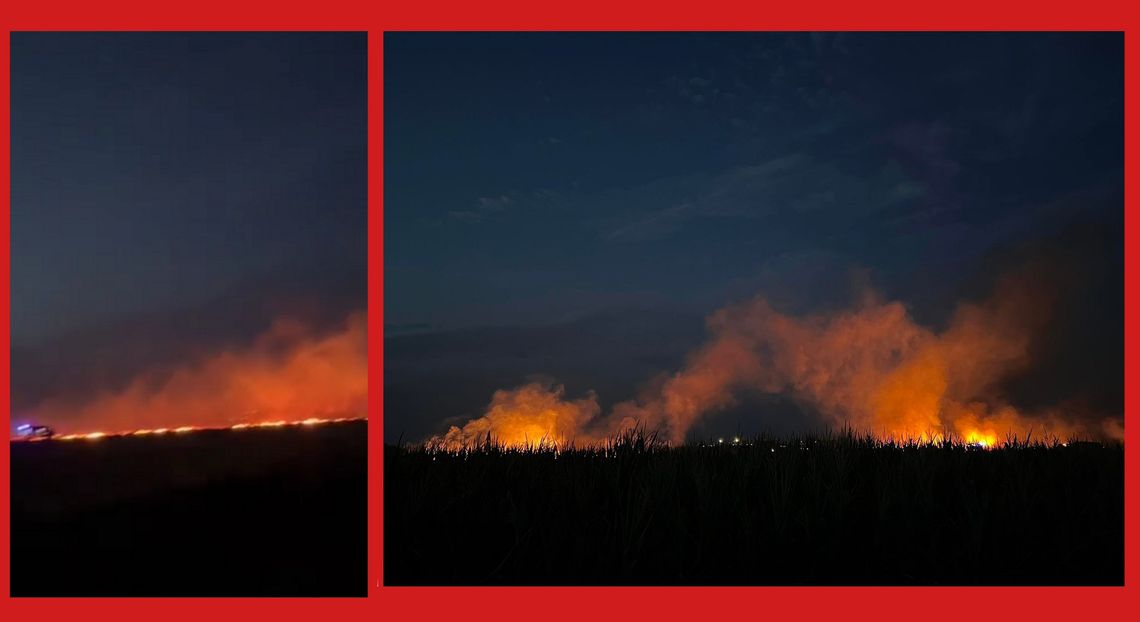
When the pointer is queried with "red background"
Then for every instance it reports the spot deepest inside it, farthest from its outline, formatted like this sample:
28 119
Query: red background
880 603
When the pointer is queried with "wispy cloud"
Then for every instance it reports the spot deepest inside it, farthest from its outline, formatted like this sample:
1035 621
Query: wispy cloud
494 207
484 208
792 184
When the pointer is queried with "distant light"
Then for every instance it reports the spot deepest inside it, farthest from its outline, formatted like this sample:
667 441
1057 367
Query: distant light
720 440
736 439
26 426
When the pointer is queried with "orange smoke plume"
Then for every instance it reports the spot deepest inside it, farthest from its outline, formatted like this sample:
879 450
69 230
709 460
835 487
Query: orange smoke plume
869 368
287 373
532 415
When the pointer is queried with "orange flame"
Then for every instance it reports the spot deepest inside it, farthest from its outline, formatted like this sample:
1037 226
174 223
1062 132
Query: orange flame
529 416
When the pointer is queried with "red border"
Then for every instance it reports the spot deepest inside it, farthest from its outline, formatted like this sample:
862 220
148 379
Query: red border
576 603
5 309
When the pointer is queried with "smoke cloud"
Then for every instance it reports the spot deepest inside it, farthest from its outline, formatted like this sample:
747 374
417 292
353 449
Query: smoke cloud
870 367
533 414
290 372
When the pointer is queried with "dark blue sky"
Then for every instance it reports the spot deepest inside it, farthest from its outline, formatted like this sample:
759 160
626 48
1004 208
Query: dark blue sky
537 177
572 204
153 172
173 193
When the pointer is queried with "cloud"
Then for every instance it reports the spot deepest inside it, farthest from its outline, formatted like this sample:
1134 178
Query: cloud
485 207
794 185
490 207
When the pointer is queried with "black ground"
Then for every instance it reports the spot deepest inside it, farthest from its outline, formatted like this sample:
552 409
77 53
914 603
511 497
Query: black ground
824 512
256 512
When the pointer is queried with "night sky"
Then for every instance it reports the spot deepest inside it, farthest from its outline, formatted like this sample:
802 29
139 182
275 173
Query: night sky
175 192
572 205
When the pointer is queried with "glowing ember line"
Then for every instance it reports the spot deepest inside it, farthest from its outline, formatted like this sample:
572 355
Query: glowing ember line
91 436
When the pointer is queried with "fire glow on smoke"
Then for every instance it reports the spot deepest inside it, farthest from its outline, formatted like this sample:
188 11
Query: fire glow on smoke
869 368
289 375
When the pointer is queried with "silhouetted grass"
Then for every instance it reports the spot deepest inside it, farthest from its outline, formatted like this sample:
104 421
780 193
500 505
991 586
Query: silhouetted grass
260 512
830 509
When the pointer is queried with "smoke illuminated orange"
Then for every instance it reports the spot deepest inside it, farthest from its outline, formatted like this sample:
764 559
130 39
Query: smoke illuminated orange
289 374
870 368
529 416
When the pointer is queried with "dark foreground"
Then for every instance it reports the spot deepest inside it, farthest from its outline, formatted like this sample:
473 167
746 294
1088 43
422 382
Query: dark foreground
824 512
259 512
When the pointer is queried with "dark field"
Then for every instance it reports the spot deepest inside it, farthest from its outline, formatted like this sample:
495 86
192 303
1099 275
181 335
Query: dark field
838 511
258 512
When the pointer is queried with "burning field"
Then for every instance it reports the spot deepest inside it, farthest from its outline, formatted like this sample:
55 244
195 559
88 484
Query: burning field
754 309
239 471
929 466
869 367
291 373
189 322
